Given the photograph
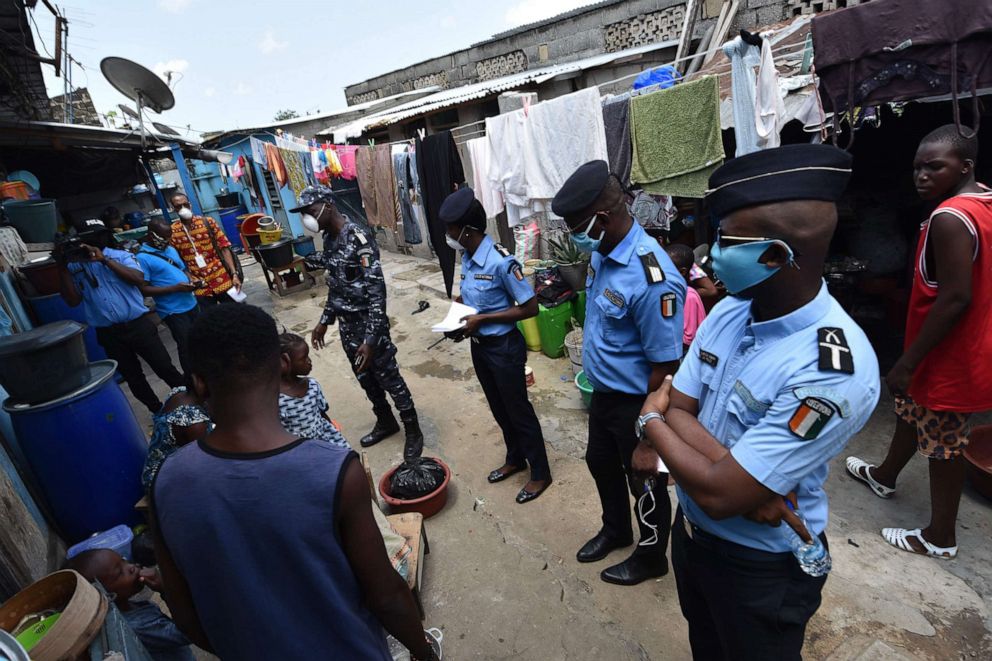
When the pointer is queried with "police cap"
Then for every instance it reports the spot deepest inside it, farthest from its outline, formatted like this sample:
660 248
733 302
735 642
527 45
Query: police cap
793 172
311 194
461 208
581 189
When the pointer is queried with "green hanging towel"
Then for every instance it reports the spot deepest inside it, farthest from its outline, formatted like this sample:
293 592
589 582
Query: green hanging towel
676 138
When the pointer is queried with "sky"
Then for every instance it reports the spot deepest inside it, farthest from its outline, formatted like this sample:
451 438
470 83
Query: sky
238 62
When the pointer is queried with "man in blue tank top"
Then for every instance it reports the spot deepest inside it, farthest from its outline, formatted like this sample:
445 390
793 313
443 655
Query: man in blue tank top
266 542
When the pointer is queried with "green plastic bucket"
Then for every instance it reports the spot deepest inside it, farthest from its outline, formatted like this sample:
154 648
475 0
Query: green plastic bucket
582 383
554 325
34 220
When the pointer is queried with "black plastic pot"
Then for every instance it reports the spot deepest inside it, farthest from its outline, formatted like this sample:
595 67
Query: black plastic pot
276 255
44 363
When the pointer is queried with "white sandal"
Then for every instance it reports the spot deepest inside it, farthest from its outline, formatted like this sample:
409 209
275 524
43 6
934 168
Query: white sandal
854 466
899 538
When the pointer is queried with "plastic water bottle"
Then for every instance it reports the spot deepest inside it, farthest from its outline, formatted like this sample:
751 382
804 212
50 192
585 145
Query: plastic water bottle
813 557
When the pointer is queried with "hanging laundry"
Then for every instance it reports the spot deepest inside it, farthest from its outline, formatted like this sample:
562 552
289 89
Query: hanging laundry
490 198
319 165
333 163
416 201
676 138
769 108
563 133
258 152
346 154
385 185
440 171
366 183
294 171
401 170
276 165
616 121
507 167
743 58
306 164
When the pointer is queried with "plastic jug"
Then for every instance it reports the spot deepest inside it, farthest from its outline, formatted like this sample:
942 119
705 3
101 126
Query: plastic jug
531 333
553 324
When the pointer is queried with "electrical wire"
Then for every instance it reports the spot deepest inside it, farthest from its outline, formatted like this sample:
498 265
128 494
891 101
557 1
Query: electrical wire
38 30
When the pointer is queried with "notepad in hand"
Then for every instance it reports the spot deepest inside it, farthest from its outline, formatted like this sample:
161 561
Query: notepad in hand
453 320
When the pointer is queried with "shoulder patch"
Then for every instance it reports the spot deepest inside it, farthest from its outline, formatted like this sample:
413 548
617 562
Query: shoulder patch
810 418
361 237
498 247
668 304
652 270
365 257
835 355
828 395
708 358
516 271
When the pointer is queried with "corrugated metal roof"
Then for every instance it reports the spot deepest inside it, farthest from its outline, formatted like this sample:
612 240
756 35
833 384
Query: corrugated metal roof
473 91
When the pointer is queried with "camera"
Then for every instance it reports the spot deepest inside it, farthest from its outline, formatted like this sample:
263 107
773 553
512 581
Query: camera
72 248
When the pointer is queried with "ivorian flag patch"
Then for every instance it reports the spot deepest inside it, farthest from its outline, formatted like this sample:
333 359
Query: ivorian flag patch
810 418
668 305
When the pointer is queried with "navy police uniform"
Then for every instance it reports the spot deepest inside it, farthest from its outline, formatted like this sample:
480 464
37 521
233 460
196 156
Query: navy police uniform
492 281
634 303
356 299
784 396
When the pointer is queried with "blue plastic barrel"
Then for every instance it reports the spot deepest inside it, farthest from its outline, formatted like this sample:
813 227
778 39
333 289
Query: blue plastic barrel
303 246
54 308
229 221
86 450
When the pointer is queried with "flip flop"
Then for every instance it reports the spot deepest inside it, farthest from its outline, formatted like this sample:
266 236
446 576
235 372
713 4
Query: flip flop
854 466
899 538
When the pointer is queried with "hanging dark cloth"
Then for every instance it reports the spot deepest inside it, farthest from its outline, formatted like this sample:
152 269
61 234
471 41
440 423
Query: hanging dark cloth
616 119
902 50
440 170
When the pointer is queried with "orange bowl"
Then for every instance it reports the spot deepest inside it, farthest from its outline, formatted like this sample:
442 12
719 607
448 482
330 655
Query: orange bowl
428 505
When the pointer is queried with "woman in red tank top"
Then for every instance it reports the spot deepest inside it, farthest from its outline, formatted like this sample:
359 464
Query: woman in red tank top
942 376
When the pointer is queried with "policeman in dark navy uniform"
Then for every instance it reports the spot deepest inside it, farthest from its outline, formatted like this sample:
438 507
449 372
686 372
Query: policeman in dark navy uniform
356 298
632 339
493 283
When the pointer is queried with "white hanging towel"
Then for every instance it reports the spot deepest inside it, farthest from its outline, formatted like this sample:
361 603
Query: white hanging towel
490 198
769 108
506 171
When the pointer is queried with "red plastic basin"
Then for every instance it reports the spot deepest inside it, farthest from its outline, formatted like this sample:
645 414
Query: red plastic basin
428 505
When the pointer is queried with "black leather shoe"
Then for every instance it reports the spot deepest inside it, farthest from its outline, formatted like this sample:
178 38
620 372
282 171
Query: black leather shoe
635 569
497 476
599 547
385 426
525 496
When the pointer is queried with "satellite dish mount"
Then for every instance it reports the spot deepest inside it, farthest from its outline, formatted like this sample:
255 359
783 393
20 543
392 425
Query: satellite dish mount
140 85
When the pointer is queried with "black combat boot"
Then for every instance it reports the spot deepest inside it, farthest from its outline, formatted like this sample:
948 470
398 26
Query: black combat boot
414 444
385 426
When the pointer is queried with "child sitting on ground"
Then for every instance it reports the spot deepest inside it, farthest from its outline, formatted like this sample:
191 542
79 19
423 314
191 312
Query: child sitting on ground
694 313
123 580
302 406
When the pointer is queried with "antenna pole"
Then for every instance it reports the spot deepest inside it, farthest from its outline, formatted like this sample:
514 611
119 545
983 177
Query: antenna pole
141 121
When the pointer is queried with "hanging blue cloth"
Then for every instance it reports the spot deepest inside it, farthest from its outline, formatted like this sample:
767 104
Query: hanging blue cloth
664 77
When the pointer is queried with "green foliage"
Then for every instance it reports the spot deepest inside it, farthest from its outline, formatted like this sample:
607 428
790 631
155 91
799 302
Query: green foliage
285 114
563 251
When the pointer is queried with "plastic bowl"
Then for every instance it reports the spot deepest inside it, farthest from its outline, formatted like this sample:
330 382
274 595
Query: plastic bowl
582 383
978 454
428 505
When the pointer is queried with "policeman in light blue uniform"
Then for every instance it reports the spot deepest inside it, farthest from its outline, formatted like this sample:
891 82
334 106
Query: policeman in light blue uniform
493 283
776 382
632 338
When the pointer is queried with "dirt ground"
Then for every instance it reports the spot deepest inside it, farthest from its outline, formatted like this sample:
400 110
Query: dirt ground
502 581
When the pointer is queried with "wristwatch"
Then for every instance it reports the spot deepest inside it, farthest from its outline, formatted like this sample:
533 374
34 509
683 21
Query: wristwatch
640 427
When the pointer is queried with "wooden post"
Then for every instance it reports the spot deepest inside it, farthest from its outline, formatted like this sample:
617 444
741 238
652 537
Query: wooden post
685 40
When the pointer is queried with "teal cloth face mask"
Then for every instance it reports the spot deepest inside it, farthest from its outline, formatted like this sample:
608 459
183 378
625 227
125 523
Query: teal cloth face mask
583 241
738 266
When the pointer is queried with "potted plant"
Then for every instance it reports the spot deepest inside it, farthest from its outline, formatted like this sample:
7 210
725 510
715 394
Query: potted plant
572 262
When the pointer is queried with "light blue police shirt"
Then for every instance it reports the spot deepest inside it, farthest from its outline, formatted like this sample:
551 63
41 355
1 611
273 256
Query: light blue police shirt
634 302
492 282
764 395
164 268
111 301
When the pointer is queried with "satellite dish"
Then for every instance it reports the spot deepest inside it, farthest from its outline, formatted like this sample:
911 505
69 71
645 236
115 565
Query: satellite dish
138 84
128 110
162 128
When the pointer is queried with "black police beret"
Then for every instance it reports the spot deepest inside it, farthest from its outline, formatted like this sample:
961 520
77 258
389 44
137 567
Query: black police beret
581 189
462 208
793 172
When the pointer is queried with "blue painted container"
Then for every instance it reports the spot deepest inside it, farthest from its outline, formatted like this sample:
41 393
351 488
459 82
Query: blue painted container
303 246
54 308
229 221
87 451
118 539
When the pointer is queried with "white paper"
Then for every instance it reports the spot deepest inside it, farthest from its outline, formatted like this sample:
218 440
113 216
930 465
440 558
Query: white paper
453 320
238 295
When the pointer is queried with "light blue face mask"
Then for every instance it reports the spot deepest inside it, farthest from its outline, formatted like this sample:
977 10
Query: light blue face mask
583 241
738 266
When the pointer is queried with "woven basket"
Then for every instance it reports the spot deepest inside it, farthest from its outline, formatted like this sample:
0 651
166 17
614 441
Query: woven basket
83 611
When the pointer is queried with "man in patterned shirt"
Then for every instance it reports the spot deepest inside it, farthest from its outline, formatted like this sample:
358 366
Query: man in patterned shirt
204 247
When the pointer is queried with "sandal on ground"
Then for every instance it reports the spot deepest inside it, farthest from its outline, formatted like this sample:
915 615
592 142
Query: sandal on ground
855 466
498 475
899 538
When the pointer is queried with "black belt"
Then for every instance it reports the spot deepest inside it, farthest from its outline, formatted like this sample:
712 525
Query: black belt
725 547
490 339
124 324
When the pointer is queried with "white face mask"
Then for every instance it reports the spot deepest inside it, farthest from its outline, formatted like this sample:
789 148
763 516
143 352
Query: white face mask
310 222
185 214
455 244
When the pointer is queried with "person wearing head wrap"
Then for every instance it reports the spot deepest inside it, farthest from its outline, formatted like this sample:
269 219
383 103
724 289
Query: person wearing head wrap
356 299
493 283
776 382
631 340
